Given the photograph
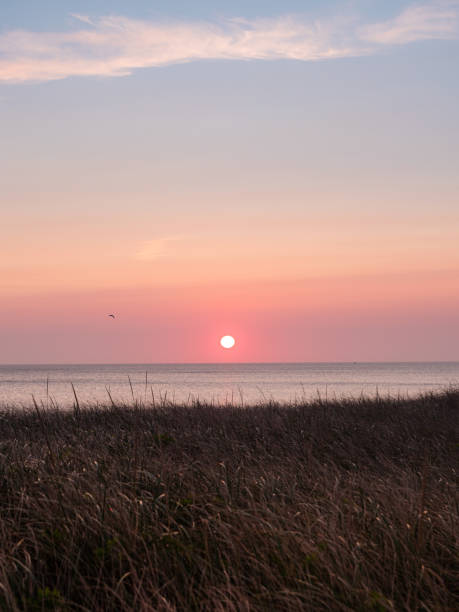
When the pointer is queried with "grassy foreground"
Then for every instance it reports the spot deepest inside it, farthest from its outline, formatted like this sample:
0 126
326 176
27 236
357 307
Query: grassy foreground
336 505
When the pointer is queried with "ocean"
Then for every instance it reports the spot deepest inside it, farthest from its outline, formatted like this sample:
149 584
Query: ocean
238 383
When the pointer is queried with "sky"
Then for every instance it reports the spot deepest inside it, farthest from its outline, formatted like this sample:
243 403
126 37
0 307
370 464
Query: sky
283 172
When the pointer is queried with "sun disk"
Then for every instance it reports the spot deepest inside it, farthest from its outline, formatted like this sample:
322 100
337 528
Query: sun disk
227 342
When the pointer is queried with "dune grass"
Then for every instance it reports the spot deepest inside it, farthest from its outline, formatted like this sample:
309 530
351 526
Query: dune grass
340 505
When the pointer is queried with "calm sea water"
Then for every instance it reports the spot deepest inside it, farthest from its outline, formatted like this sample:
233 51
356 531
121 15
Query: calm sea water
220 383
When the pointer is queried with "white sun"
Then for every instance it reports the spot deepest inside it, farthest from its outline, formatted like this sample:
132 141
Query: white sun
227 342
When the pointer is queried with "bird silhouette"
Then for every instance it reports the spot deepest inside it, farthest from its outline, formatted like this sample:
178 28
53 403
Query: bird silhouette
112 316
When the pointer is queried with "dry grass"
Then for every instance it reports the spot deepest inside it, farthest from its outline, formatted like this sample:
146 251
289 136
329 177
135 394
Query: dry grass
337 505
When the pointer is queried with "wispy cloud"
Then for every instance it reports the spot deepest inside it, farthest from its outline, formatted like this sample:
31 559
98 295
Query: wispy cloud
150 250
417 22
83 18
116 45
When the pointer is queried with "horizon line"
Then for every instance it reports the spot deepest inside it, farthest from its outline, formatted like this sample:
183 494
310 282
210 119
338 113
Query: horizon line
161 363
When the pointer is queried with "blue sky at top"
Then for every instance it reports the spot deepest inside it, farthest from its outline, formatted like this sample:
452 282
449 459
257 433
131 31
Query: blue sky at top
383 125
380 127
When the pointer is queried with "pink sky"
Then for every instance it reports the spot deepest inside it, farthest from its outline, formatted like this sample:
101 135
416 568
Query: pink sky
292 185
361 318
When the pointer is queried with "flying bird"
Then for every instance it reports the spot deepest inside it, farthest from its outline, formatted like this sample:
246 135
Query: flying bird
112 316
